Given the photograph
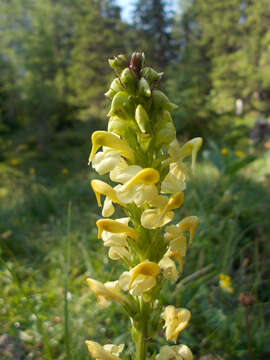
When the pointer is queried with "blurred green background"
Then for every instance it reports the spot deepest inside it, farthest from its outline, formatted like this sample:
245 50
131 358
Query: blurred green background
215 56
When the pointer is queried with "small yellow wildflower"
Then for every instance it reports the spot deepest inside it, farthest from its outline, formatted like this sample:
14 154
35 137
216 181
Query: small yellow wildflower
32 171
14 162
225 283
224 151
239 153
176 319
64 171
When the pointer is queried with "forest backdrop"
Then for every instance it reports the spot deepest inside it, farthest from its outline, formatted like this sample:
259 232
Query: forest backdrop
54 72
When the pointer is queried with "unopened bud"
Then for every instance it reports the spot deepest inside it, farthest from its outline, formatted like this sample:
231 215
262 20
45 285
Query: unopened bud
151 75
118 63
120 126
137 61
161 101
122 106
128 80
142 118
246 299
144 88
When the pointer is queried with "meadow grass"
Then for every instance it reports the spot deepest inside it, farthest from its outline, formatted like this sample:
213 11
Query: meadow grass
46 255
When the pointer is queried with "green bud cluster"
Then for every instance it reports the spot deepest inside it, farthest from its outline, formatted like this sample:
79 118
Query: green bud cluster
139 107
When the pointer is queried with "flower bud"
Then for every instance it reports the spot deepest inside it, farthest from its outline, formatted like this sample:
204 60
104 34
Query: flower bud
246 299
161 101
118 63
122 106
164 128
151 75
114 88
144 88
120 126
137 61
142 119
128 80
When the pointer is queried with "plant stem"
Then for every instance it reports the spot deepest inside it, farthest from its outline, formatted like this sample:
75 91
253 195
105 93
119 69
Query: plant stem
67 264
141 344
141 330
248 334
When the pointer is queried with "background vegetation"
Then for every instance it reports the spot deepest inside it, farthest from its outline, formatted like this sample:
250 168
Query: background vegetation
53 74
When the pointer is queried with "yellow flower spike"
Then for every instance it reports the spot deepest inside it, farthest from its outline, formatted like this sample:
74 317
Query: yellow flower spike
115 227
146 268
191 148
107 291
106 352
190 224
104 138
147 176
101 188
176 319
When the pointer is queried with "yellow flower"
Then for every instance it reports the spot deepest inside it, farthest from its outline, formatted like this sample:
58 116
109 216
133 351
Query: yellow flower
175 321
106 160
239 153
110 140
176 352
115 227
107 291
168 268
174 181
14 162
100 187
64 171
178 154
140 188
225 283
117 242
118 252
106 352
123 172
32 171
141 278
154 218
224 151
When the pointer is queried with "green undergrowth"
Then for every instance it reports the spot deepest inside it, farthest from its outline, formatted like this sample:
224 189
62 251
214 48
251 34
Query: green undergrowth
233 239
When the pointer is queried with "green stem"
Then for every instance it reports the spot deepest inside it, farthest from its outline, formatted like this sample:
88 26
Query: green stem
67 265
141 344
249 341
141 330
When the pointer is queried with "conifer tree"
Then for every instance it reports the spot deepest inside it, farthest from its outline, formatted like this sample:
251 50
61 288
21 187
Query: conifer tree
153 24
98 33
